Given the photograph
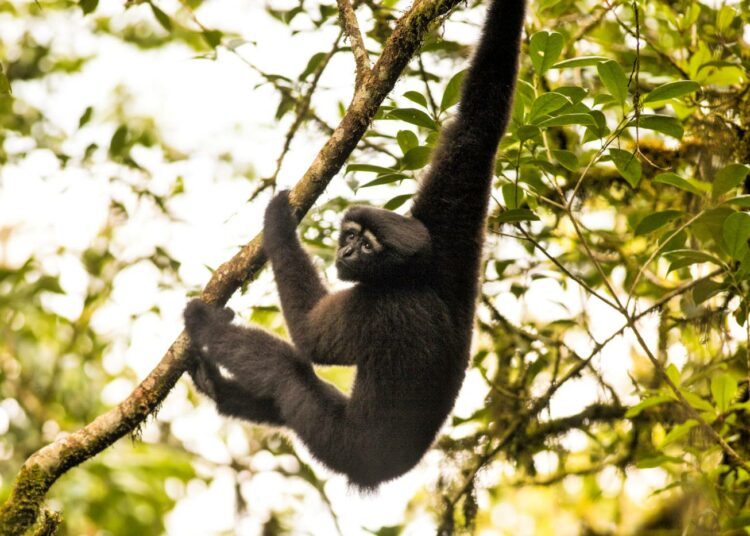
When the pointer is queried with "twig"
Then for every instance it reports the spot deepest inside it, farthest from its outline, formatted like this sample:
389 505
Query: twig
301 110
663 55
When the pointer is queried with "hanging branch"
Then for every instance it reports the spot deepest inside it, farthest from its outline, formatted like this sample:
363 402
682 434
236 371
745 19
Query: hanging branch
351 28
40 471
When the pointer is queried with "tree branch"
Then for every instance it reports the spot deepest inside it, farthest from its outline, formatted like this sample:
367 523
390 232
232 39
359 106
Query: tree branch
44 467
351 28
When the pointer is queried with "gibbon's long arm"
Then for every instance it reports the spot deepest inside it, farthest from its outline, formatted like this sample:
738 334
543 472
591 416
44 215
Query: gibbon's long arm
302 288
452 201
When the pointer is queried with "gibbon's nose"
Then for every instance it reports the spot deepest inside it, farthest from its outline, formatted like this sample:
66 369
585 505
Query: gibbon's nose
347 252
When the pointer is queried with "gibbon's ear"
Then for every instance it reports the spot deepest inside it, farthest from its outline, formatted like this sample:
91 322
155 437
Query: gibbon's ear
406 236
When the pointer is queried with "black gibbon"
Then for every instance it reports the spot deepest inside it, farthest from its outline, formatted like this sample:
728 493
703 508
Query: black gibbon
406 323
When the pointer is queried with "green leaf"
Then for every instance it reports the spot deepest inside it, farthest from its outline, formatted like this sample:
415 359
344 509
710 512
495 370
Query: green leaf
452 92
705 289
406 140
569 119
368 168
696 401
741 201
575 93
546 103
675 180
614 79
581 61
388 178
680 258
665 124
729 178
513 196
88 6
678 432
413 116
525 92
86 116
671 90
527 132
627 165
397 201
673 374
670 241
517 215
117 143
657 220
416 97
417 157
645 404
312 64
212 37
162 17
545 47
725 18
657 461
567 159
723 390
736 231
5 88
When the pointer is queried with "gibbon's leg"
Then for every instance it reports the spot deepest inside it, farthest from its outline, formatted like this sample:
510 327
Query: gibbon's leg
363 442
298 282
257 360
231 398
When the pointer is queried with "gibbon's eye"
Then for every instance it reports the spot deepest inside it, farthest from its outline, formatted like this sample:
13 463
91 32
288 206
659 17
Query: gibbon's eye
349 236
366 246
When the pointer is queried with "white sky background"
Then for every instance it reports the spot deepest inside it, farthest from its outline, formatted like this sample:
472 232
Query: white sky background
205 108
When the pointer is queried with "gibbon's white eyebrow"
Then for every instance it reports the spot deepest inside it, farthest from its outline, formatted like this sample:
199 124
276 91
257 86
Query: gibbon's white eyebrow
374 242
351 226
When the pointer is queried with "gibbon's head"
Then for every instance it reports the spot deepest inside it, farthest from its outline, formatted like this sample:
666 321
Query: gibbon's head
378 245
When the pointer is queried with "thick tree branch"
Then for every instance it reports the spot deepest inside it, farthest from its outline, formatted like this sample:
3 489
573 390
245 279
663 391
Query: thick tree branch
44 467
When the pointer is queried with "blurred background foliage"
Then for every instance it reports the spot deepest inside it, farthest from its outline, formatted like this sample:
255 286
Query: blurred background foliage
611 358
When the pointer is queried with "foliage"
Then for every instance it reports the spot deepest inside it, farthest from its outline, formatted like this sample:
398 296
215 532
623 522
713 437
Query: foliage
612 335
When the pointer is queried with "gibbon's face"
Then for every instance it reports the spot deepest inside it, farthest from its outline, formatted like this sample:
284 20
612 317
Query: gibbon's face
380 246
358 252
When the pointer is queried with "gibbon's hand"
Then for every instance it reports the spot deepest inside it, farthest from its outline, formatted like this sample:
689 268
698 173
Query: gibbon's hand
279 226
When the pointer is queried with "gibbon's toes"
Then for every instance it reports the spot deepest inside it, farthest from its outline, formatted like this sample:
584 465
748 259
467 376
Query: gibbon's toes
196 315
202 379
227 314
200 316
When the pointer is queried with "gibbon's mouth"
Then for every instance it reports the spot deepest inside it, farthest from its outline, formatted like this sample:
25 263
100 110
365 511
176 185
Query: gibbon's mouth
344 264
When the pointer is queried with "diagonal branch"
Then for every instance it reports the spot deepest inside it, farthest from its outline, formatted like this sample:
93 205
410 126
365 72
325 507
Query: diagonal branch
44 467
351 28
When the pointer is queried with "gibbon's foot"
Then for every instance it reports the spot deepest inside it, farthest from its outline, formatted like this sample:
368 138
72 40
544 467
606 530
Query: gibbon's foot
254 359
202 318
202 378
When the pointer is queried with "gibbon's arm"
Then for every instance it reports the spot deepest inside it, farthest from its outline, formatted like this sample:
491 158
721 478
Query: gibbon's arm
452 200
299 284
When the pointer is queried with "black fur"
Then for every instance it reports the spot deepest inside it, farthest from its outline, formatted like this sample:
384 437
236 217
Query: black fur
407 322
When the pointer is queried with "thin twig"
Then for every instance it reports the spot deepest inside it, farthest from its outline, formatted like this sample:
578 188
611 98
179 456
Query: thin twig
663 55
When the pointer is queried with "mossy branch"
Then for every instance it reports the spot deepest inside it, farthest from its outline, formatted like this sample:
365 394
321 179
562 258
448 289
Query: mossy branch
23 509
